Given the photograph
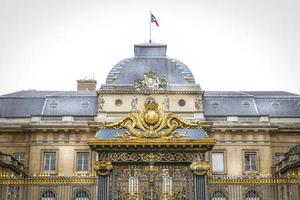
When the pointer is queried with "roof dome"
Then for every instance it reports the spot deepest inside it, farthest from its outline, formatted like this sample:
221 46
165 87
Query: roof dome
150 57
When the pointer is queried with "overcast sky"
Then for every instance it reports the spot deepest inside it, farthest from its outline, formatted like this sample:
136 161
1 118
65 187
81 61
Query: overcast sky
228 44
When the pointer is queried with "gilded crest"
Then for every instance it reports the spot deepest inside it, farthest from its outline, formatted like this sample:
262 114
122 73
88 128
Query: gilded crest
151 122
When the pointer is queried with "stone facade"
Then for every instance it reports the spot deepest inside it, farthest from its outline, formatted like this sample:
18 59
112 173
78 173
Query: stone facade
49 130
64 127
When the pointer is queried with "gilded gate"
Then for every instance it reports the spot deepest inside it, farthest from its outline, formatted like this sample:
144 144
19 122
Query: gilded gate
152 154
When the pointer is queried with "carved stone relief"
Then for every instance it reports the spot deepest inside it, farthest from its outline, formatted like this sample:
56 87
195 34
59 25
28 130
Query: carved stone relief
150 82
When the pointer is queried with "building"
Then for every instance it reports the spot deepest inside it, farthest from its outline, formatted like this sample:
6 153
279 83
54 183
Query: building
149 118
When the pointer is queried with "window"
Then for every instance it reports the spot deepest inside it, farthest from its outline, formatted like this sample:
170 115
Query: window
219 195
49 161
181 102
118 102
279 157
217 159
48 195
20 157
252 195
250 161
82 162
81 195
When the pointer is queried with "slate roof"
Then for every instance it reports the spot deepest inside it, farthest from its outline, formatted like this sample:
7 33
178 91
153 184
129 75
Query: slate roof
150 57
251 103
48 103
84 103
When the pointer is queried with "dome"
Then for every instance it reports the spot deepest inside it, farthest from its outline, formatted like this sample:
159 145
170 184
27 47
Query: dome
150 57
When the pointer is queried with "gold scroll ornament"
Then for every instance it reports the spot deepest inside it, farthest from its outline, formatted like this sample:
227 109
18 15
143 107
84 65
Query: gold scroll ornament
200 167
151 122
103 167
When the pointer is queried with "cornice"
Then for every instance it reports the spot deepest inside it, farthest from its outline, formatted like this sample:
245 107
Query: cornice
243 127
44 127
102 92
152 143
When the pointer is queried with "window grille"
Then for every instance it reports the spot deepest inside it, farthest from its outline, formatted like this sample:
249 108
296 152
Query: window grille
219 195
252 195
81 195
48 195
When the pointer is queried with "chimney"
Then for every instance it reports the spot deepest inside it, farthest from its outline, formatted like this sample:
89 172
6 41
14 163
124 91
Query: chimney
86 85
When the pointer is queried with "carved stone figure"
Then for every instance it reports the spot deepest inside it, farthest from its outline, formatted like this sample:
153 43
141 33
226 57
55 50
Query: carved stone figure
101 102
134 102
198 103
166 103
151 81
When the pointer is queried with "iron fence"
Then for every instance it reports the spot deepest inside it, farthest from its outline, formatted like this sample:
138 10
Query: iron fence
254 188
85 188
48 188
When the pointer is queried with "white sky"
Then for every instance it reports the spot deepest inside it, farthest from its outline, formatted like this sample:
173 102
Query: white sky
228 44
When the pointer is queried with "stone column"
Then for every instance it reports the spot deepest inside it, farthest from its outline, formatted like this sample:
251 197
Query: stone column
199 170
103 169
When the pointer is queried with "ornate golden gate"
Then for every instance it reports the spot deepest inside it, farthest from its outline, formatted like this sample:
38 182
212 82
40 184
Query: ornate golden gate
151 182
151 155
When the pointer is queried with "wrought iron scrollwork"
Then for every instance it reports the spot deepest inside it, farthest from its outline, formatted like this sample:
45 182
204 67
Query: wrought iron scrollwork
151 157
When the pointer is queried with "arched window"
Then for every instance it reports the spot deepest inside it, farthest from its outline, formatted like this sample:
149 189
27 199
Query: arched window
218 195
48 195
252 195
81 195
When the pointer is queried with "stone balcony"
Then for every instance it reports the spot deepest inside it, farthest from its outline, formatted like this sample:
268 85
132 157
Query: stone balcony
290 163
10 166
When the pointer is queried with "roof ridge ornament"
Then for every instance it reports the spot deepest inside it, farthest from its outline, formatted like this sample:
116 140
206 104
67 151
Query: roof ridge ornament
151 82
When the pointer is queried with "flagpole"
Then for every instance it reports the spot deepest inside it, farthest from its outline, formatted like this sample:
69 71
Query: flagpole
150 28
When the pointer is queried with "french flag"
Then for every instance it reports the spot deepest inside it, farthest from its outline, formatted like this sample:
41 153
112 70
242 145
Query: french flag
153 19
